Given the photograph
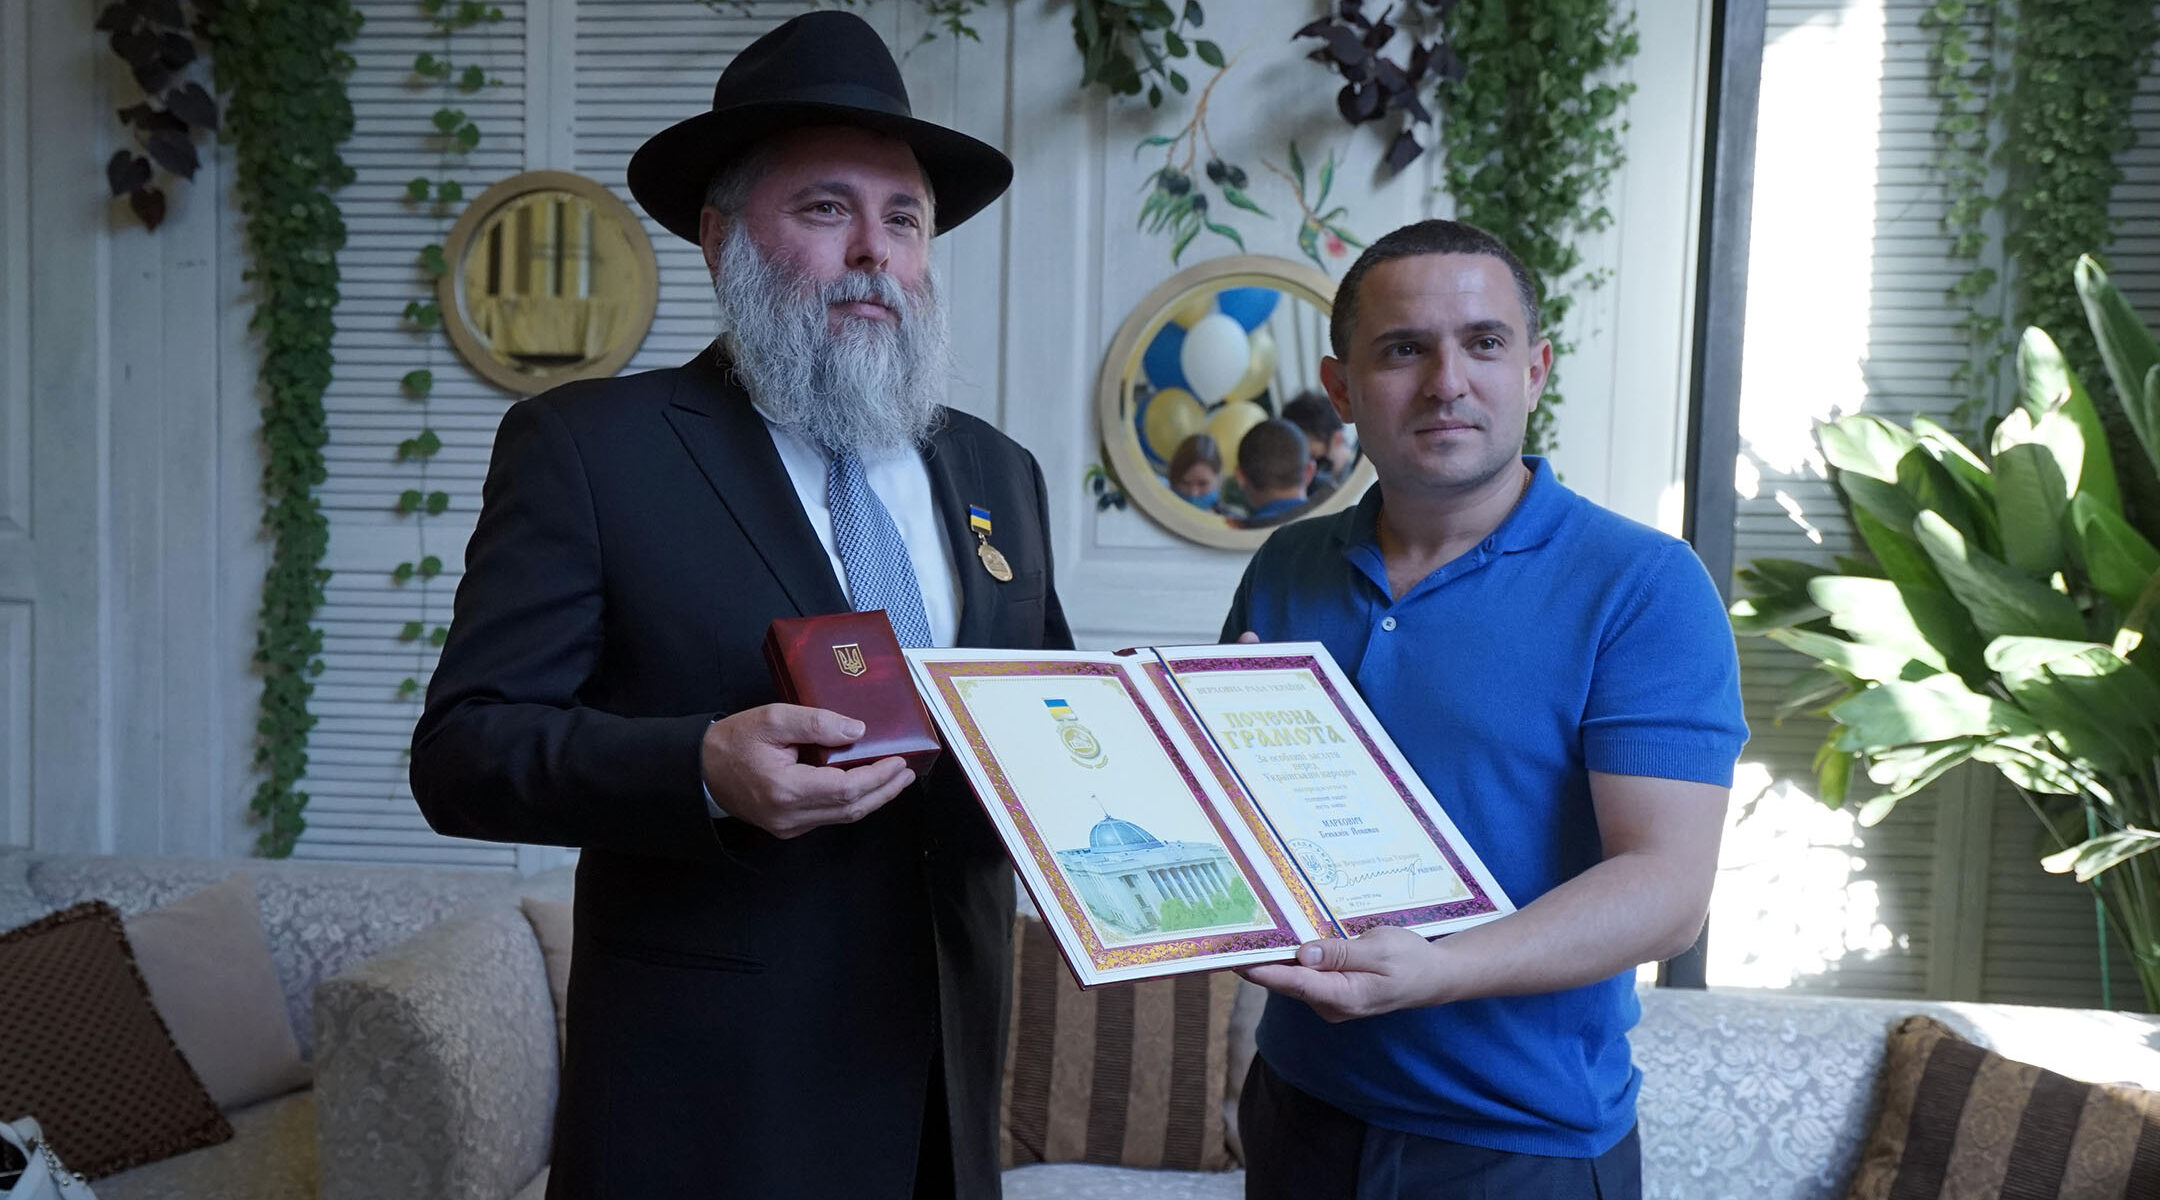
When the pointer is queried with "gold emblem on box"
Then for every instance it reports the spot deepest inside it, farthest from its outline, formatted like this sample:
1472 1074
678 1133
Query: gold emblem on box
850 658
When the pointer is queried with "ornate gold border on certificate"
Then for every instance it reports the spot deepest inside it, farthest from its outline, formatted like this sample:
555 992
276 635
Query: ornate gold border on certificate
1478 902
947 675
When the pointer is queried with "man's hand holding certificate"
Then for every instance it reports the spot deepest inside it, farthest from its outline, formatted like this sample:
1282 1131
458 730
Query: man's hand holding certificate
1199 808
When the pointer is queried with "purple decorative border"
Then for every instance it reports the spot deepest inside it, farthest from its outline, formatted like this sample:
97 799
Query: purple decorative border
1477 905
1277 854
1105 958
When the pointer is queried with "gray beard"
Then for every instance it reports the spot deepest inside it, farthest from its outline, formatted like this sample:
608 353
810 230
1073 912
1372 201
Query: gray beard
871 388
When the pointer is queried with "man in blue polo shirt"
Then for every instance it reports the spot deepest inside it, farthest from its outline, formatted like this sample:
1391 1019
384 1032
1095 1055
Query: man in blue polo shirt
1564 680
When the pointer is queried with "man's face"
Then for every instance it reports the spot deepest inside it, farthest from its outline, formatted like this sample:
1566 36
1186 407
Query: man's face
1331 453
836 200
1441 375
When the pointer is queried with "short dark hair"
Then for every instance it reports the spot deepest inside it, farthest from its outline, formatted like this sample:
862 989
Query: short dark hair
1199 448
1272 457
1311 412
1411 241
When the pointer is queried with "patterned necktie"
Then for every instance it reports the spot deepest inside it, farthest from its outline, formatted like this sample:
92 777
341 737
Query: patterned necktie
879 572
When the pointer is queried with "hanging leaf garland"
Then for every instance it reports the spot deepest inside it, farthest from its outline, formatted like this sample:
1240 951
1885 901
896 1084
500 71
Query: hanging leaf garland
1376 86
283 67
455 136
2075 68
1131 46
1532 132
155 39
1961 65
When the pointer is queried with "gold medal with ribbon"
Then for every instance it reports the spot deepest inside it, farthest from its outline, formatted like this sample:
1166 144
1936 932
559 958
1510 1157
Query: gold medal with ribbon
993 560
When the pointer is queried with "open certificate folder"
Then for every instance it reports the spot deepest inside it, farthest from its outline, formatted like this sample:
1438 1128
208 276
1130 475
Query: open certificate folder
1200 807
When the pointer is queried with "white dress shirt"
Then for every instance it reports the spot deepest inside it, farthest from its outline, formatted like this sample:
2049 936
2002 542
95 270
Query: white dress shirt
902 484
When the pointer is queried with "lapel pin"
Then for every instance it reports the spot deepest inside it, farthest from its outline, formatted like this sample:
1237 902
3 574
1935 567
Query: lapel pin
993 560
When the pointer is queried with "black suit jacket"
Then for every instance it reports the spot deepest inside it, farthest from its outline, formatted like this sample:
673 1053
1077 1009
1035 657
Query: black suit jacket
748 1016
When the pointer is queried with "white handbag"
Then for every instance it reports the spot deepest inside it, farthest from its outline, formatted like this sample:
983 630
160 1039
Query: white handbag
46 1178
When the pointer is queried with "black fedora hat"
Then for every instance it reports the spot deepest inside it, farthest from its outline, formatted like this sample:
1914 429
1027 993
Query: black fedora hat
821 68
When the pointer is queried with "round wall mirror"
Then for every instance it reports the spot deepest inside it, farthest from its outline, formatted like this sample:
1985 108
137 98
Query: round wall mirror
551 279
1212 412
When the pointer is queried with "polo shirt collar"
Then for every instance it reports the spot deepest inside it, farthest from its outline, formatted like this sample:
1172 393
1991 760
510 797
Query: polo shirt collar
1534 521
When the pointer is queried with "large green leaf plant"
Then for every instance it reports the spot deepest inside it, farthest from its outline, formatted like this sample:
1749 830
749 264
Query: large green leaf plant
2001 615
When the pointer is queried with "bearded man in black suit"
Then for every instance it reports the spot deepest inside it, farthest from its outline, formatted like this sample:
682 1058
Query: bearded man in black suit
787 980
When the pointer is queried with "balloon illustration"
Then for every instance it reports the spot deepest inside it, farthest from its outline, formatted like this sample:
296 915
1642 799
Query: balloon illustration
1229 426
1250 307
1214 357
1167 419
1259 372
1161 361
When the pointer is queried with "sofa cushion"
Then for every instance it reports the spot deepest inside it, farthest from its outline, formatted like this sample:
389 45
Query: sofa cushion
83 1051
551 924
1957 1120
208 966
320 917
271 1157
1128 1074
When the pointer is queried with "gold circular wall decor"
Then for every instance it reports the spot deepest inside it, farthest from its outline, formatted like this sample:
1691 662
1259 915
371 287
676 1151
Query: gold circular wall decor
551 279
1258 328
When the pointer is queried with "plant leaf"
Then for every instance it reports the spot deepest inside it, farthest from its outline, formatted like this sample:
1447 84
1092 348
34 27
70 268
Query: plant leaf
2027 762
1297 168
1939 708
2001 599
1239 199
1878 611
2095 705
1221 230
126 172
2095 856
2031 499
1865 445
1877 664
2096 475
149 206
2127 347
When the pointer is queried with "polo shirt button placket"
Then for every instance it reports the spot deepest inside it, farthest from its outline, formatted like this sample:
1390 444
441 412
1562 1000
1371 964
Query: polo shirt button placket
1387 624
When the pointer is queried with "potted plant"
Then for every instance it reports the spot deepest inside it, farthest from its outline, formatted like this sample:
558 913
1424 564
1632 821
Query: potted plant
2001 614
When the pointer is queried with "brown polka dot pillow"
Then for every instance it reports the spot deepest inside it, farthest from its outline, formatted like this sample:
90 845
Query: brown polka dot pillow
1957 1120
83 1051
1128 1074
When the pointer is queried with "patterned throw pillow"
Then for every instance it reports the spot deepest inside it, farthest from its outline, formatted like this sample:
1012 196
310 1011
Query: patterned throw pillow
1128 1074
83 1050
1957 1120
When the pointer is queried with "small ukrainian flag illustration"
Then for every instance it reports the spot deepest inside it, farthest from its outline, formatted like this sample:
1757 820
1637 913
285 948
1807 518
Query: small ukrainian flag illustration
1059 709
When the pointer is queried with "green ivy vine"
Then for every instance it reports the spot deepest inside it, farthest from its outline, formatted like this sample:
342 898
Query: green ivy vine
1532 133
2075 69
284 66
454 136
1961 67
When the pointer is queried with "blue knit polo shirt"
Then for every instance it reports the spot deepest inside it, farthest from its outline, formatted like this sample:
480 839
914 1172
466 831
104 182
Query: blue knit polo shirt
1570 640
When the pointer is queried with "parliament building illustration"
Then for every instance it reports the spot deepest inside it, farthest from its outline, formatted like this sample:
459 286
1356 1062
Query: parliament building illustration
1136 883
